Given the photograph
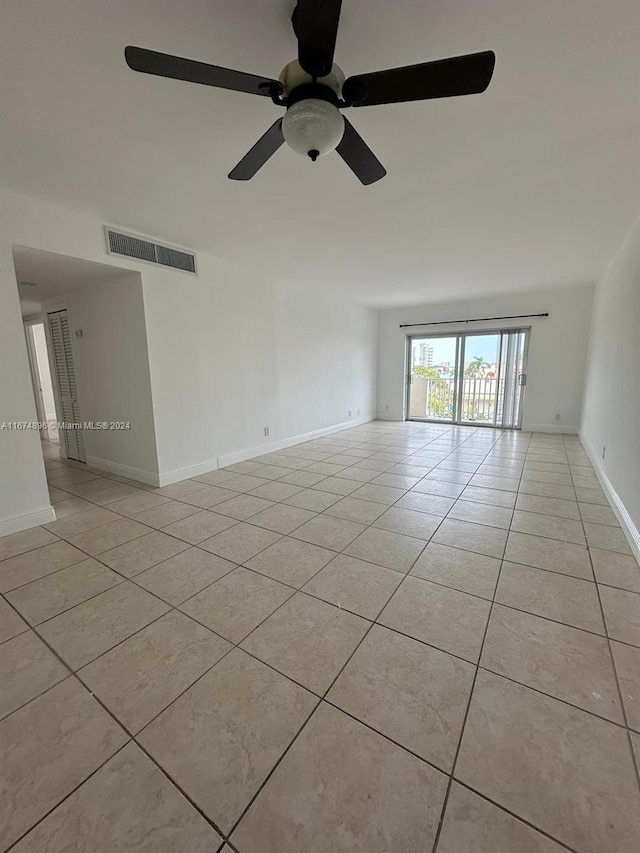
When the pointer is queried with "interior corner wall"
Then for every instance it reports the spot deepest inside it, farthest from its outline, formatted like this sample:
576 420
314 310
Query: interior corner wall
24 498
230 351
249 354
611 416
112 370
557 350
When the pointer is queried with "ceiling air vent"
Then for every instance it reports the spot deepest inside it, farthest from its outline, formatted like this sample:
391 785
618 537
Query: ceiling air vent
130 246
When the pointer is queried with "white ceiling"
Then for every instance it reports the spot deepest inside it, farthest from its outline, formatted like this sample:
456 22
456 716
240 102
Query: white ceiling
42 276
531 185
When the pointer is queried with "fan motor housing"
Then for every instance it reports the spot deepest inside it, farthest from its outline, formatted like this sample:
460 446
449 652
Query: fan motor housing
293 76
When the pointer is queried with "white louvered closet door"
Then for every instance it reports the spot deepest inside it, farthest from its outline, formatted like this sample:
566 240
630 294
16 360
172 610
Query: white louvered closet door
67 386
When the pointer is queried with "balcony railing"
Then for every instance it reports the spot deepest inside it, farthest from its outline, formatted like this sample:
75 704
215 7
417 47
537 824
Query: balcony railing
435 398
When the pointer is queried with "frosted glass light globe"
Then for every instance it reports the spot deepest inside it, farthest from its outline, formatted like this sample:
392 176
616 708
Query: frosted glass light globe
313 127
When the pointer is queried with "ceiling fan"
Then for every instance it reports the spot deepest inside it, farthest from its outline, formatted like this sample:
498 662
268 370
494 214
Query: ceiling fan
314 90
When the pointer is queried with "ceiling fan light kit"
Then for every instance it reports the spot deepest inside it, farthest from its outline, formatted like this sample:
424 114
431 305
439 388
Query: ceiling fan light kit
313 91
313 127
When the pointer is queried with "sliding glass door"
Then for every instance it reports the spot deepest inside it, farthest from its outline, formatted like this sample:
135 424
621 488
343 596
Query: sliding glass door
468 378
432 394
479 369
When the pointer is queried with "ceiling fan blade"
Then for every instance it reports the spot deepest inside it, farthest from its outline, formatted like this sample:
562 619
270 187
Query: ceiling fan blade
359 157
255 159
165 65
316 26
444 78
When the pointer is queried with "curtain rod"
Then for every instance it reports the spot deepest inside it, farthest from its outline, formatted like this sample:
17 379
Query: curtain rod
477 320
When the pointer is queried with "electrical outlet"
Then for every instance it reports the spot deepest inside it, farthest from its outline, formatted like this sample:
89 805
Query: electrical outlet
386 408
557 418
358 411
604 451
266 430
349 412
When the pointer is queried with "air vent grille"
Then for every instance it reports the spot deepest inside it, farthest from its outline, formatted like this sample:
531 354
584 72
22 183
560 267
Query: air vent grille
176 259
131 246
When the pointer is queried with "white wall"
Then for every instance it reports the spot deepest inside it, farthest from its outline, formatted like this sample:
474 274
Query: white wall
248 354
230 351
557 350
611 416
24 499
112 371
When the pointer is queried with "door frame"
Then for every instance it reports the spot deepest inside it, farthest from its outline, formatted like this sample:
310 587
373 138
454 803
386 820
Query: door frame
408 368
459 391
523 373
35 369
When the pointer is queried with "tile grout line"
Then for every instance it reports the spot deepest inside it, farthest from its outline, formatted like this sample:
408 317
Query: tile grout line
97 557
445 801
66 796
612 659
517 817
176 608
406 574
273 769
321 513
131 578
131 737
322 698
247 520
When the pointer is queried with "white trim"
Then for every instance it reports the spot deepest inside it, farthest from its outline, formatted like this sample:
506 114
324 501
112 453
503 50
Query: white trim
626 522
273 446
169 477
151 478
572 430
34 370
23 522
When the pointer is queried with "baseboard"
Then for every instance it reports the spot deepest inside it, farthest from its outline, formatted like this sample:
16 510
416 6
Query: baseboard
167 478
572 430
151 478
23 522
281 444
626 522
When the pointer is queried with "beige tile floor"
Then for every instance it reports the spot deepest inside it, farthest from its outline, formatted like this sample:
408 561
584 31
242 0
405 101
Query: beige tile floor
400 638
